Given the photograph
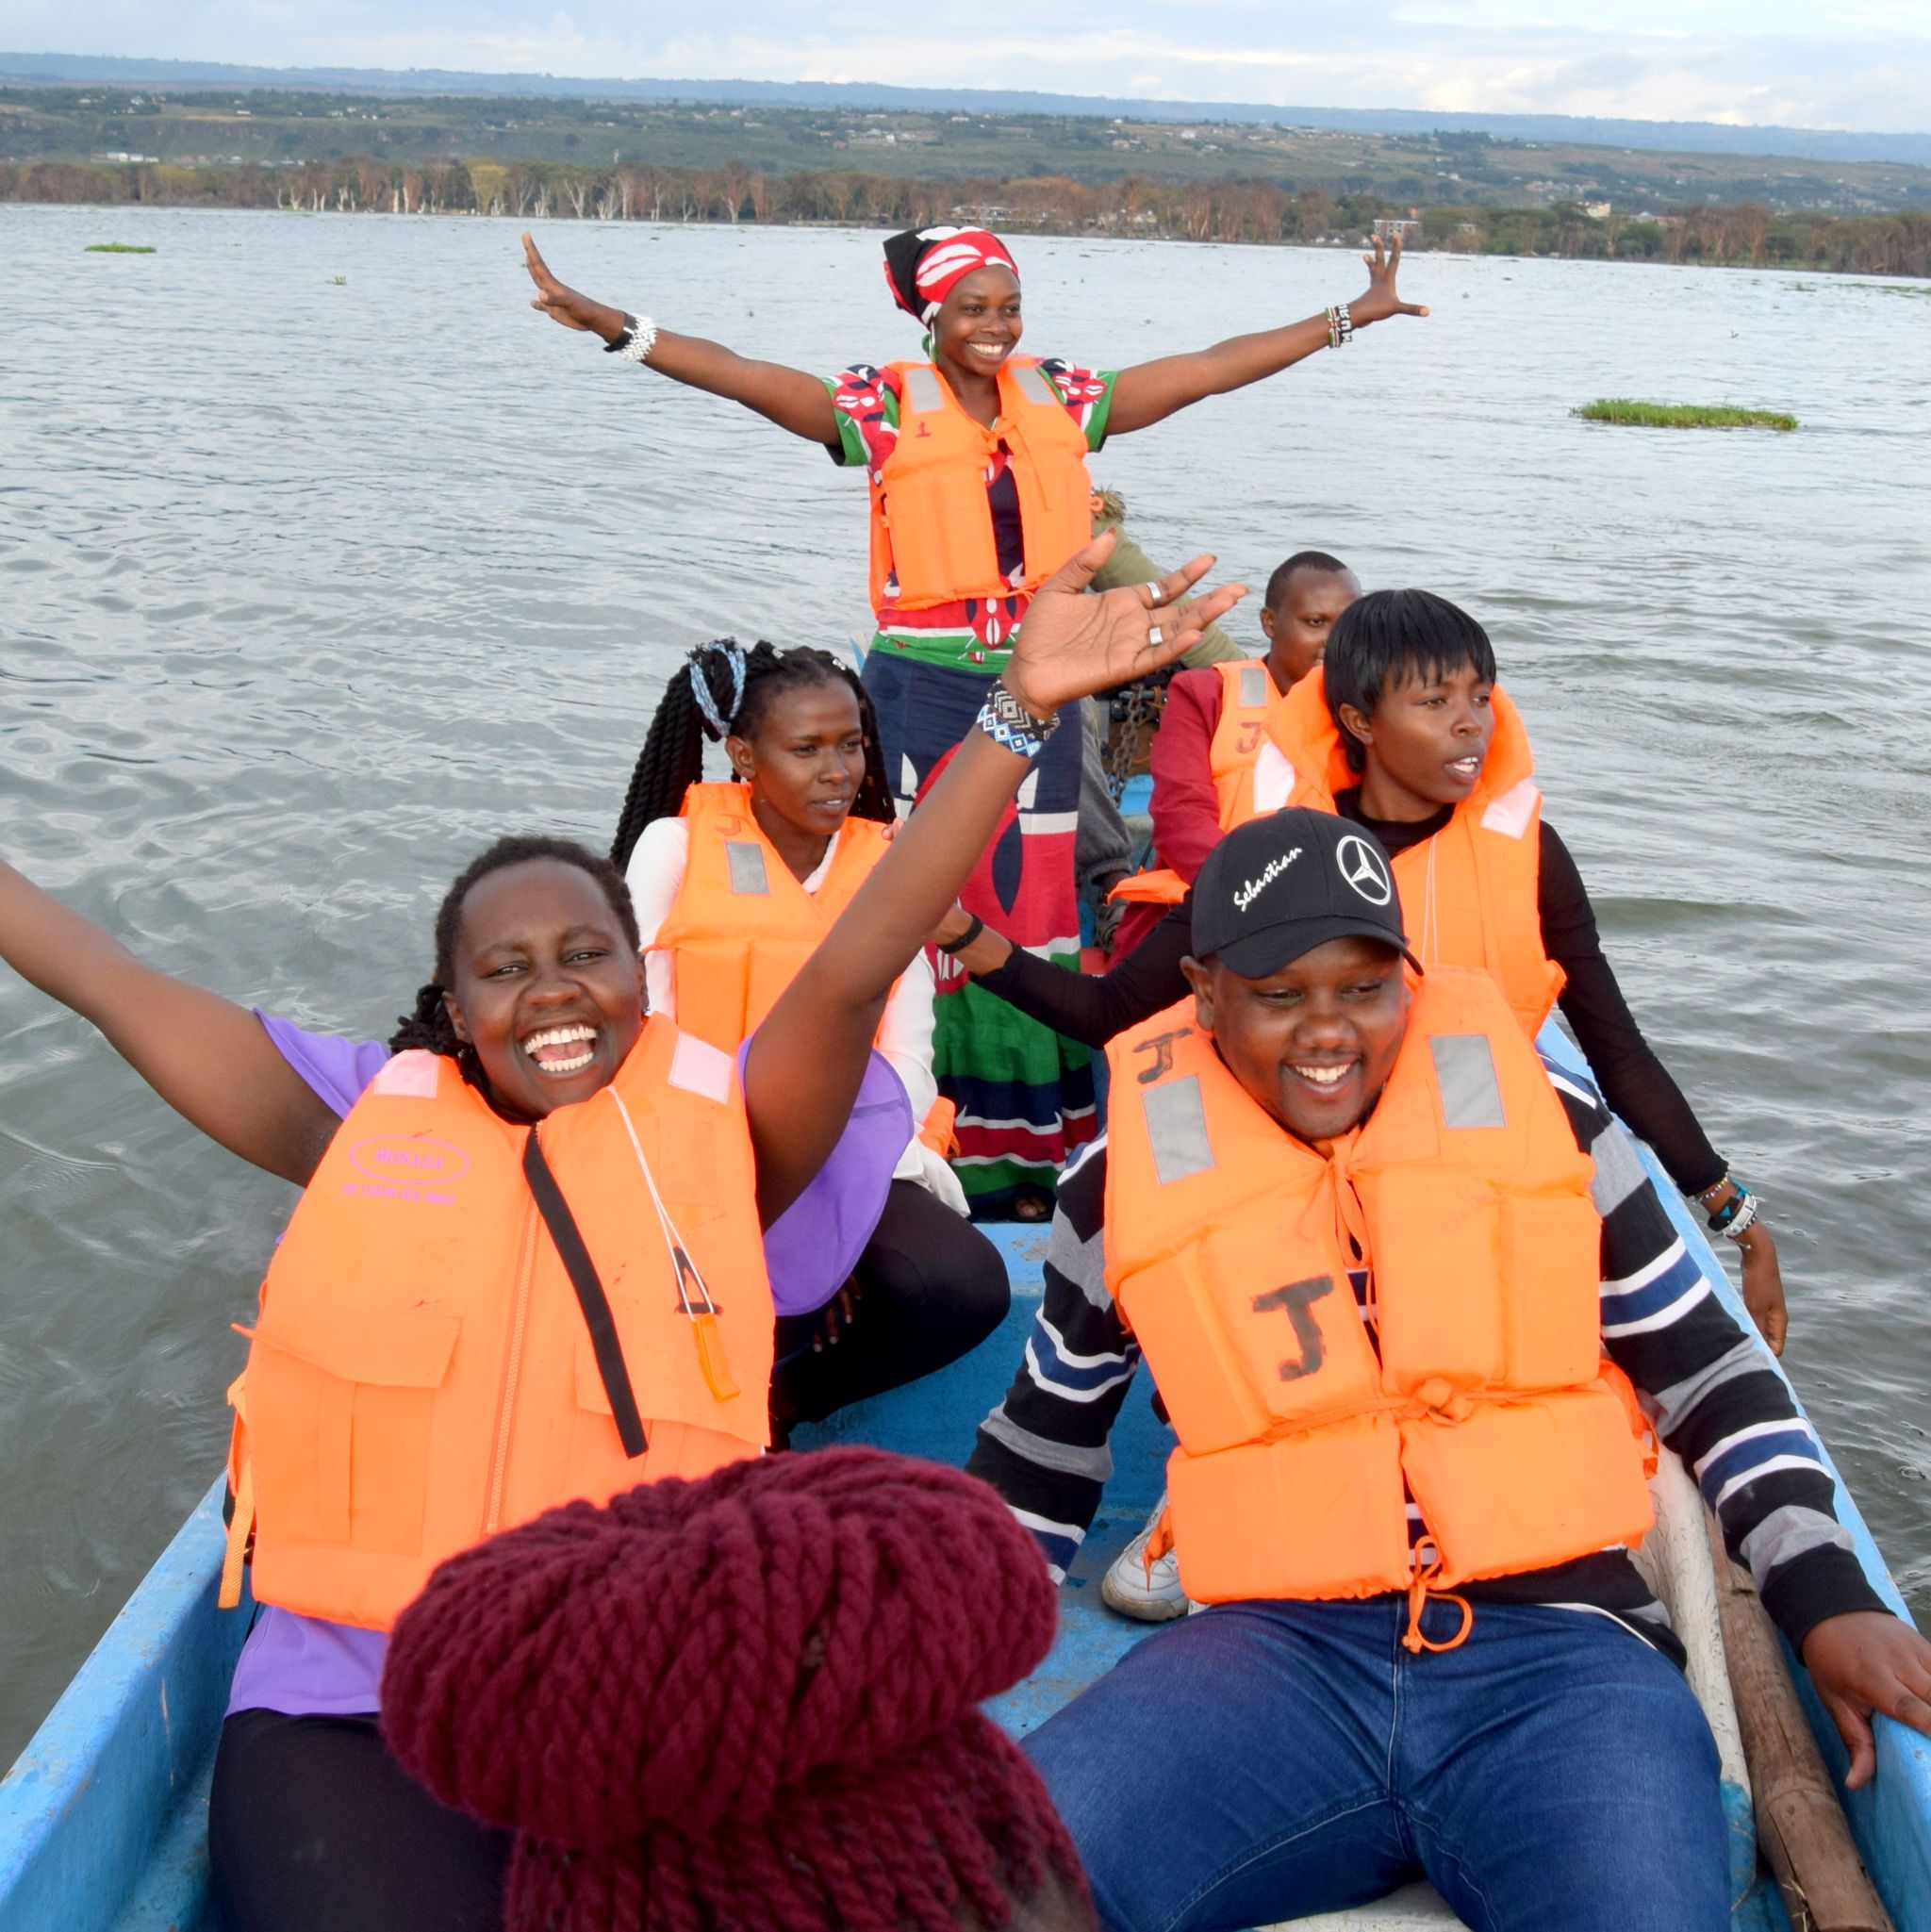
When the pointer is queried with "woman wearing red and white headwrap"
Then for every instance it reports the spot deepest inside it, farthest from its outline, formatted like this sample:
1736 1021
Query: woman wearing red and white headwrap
976 460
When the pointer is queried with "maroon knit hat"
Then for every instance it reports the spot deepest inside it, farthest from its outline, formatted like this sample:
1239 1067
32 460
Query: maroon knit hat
744 1704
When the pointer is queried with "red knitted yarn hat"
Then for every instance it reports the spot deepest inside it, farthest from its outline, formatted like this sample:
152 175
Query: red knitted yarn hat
744 1704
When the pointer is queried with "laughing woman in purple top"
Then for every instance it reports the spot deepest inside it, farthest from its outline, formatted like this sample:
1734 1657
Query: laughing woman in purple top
312 1825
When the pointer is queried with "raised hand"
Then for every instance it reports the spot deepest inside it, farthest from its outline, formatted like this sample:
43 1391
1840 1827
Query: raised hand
566 306
1382 299
1073 644
1868 1660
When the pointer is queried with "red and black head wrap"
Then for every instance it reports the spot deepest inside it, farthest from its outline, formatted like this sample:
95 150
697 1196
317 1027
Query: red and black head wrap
924 265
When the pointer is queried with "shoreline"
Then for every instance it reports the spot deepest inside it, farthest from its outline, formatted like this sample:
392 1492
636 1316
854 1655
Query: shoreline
1228 210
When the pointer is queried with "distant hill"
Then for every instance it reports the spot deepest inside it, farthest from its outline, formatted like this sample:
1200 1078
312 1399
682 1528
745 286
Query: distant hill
1695 137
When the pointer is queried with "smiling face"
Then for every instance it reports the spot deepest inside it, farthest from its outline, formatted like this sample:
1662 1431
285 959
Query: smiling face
1424 743
978 325
803 761
1297 626
1314 1042
546 987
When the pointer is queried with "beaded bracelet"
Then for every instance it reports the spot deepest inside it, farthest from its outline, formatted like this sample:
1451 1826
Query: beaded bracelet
638 339
1736 1214
1009 724
1745 1217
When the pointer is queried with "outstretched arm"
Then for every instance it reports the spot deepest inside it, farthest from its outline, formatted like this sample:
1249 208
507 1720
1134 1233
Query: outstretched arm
1091 1008
789 397
806 1060
1150 391
211 1060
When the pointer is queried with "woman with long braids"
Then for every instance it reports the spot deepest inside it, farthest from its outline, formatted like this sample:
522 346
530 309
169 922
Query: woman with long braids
734 885
526 1265
976 460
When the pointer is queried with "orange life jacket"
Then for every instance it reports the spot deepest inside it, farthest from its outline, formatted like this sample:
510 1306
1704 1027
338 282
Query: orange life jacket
1484 1395
930 522
1240 743
423 1371
742 925
1469 895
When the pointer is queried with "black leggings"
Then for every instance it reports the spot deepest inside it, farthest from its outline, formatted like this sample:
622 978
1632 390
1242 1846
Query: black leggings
314 1827
930 1288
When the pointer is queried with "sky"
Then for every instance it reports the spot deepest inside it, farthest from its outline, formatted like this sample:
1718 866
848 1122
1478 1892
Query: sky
1863 64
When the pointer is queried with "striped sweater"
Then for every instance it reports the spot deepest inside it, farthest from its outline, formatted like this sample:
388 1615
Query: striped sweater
1716 1399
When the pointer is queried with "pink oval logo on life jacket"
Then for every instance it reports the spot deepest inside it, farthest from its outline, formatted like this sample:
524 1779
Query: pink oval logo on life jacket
409 1160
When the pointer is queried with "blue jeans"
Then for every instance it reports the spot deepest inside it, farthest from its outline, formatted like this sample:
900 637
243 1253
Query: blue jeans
1266 1761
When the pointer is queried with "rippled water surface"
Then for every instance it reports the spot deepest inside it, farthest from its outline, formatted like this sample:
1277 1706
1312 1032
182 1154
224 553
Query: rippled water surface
322 559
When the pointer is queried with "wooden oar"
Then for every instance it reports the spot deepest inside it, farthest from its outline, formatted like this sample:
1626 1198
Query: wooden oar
1800 1824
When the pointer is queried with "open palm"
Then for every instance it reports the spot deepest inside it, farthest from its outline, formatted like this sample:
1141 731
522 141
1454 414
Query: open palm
558 302
1073 644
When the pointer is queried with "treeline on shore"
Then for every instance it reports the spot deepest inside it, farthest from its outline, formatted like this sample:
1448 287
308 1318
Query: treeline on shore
1231 209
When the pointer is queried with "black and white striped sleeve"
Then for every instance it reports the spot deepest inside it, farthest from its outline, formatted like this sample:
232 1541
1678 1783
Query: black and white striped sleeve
1717 1399
1045 1447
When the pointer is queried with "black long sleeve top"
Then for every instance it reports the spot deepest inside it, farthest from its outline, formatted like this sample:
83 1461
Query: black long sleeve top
1092 1008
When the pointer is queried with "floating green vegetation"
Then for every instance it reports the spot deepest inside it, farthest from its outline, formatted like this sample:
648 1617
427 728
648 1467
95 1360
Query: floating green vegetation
117 248
339 281
1681 415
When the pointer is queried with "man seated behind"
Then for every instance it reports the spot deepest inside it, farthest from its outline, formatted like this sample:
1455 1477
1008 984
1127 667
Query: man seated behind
1212 731
1396 1277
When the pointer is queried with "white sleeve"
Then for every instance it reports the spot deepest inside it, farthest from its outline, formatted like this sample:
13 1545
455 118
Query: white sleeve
905 1036
905 1040
655 876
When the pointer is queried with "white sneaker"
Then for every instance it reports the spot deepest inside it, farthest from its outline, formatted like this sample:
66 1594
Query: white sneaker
1148 1593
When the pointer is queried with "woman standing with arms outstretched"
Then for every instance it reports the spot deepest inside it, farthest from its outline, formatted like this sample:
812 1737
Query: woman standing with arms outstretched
976 460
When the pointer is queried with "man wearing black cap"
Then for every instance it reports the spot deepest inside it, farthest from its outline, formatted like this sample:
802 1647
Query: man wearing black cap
1426 1650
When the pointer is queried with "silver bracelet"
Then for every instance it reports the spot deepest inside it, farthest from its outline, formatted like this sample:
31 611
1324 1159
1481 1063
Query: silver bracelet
1339 326
1008 723
638 339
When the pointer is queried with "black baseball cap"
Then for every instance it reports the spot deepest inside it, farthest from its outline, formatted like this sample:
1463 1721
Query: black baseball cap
1283 884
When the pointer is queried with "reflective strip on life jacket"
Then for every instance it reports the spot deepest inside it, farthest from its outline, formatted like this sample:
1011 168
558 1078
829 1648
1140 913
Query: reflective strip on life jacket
931 535
1481 1393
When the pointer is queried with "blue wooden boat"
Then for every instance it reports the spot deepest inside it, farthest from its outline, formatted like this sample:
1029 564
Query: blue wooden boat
103 1820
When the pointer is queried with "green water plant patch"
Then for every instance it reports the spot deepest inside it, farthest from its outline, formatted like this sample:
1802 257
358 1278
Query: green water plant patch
1681 415
117 248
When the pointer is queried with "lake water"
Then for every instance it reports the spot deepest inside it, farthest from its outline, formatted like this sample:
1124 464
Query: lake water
324 559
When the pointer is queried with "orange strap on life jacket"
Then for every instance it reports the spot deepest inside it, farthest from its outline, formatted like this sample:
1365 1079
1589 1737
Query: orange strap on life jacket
741 925
1480 1393
939 1130
423 1372
931 535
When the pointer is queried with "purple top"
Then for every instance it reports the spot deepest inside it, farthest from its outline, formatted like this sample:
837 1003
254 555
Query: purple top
304 1666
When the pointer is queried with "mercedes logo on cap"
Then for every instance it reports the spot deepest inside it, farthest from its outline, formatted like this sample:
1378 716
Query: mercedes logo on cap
1363 868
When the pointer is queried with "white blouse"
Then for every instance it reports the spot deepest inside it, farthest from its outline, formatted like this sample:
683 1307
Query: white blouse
655 876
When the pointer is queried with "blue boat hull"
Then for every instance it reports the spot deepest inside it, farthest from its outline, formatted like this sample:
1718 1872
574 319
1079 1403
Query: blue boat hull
103 1820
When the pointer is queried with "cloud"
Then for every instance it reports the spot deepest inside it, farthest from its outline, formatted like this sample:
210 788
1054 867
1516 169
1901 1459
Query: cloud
1861 64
